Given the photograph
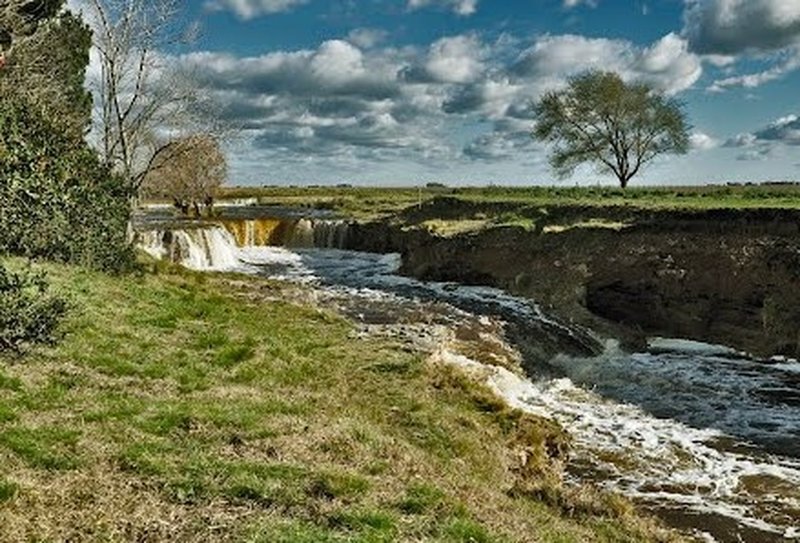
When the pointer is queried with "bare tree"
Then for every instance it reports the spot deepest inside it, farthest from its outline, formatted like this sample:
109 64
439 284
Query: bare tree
190 175
142 99
600 119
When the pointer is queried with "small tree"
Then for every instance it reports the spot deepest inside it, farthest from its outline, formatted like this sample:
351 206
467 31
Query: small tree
601 119
190 174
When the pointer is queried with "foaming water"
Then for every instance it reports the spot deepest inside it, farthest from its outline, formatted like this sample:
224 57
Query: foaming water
701 435
205 249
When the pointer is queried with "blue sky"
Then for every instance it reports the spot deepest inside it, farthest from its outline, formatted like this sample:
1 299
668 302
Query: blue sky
401 92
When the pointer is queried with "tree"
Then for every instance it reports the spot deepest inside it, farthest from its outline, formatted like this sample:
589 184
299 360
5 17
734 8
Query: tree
57 200
139 94
190 175
45 52
601 119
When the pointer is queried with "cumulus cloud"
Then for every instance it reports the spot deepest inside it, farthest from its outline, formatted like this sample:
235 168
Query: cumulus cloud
700 141
766 141
725 31
457 59
732 27
460 7
353 101
250 9
667 64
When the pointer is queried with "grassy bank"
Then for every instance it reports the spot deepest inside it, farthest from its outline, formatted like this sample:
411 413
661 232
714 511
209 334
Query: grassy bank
371 202
183 407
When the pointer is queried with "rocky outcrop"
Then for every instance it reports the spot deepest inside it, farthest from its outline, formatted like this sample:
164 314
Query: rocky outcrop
729 277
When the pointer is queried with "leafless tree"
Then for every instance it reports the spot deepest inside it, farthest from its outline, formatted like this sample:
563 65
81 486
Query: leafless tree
190 175
143 100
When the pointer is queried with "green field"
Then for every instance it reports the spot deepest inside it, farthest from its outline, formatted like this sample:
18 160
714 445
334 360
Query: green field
190 407
371 202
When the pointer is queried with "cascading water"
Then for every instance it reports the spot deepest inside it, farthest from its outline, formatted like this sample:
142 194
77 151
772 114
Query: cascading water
288 232
204 248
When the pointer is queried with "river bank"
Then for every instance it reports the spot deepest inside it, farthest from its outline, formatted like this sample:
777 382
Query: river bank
223 407
719 276
704 436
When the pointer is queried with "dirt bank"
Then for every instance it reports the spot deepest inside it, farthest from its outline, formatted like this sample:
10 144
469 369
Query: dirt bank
727 276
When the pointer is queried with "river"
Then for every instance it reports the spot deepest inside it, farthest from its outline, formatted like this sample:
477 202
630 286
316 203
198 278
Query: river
700 435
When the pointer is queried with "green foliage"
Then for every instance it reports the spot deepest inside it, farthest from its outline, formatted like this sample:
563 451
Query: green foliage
620 127
47 61
56 200
8 490
29 312
47 448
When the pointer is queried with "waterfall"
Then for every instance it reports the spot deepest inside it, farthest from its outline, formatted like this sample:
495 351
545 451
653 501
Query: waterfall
330 234
298 233
207 248
302 235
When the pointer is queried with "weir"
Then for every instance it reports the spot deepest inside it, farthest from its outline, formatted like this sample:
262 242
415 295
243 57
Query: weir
215 246
208 248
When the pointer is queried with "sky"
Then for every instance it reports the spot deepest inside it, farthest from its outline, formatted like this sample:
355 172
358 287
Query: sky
405 92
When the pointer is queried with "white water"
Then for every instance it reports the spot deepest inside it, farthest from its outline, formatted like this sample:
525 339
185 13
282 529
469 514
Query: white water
659 461
695 429
204 249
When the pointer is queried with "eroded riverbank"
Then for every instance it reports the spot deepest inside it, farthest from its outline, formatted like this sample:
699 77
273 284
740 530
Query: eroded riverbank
704 437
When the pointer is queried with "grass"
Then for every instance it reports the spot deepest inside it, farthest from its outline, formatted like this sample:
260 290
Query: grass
374 202
206 408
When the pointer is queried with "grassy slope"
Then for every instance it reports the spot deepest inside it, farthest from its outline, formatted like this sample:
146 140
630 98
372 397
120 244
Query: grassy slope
374 202
189 407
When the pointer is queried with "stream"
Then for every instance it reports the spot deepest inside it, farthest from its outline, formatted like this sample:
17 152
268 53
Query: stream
704 437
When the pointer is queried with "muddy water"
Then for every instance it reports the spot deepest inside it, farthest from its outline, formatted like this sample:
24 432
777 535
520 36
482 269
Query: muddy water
702 436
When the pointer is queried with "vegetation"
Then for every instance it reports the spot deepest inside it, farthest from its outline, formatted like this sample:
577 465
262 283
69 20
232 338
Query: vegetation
140 96
365 203
56 199
29 312
601 119
208 408
190 176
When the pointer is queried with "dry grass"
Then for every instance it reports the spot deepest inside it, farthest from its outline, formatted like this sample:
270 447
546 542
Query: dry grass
180 408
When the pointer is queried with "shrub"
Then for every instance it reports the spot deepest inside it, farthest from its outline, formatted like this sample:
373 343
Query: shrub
56 200
29 312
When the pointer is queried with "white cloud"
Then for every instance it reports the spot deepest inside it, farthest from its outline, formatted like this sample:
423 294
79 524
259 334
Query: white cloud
731 27
367 38
700 141
667 64
457 59
250 9
337 62
460 7
769 140
569 4
790 63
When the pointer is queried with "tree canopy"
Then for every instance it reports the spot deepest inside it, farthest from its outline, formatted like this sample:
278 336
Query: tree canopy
189 173
598 118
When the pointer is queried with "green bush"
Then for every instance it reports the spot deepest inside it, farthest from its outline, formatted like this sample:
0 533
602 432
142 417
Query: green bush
29 312
57 201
